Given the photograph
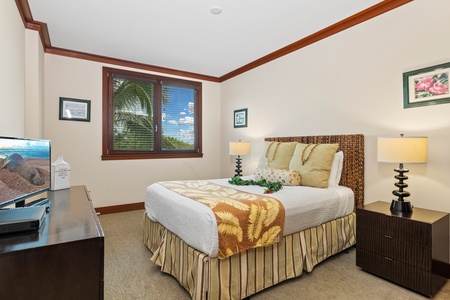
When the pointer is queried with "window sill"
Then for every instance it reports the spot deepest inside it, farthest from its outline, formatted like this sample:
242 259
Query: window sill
150 156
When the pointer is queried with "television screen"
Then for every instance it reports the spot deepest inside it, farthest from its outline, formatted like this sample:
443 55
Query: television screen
24 169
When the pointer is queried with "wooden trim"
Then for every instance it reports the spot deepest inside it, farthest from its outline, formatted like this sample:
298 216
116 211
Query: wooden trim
127 63
351 21
119 208
29 23
24 11
106 128
442 268
371 12
43 33
136 155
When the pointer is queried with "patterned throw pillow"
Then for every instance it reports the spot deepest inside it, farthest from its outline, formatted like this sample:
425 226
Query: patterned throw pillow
313 161
277 155
285 177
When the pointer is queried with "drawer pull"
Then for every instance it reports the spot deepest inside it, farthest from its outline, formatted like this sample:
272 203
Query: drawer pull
387 258
388 236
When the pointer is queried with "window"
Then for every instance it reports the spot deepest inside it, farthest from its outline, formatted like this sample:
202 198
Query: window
148 116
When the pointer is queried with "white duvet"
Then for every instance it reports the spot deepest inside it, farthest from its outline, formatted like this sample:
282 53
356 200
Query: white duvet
195 222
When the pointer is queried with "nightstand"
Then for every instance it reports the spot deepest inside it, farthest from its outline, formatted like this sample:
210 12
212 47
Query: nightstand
412 252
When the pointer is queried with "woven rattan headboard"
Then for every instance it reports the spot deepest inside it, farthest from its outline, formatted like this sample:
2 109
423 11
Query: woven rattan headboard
353 169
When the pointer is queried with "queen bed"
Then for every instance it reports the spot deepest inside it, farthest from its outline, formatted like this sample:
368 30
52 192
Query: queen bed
317 223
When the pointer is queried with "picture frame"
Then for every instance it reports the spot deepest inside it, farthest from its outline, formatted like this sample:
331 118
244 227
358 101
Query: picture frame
240 118
426 86
74 109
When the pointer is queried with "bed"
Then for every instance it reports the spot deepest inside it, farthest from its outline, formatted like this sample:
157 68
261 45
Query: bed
237 276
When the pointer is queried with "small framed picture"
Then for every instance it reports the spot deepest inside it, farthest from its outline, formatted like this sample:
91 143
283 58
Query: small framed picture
240 118
427 86
74 109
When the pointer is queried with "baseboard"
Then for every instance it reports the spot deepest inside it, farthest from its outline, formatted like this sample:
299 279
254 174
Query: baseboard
441 268
119 208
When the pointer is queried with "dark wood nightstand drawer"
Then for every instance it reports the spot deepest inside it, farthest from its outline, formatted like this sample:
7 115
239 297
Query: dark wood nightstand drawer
395 227
403 274
404 251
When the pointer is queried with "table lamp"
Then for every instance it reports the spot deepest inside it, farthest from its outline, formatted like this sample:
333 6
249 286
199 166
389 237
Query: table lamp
402 150
239 148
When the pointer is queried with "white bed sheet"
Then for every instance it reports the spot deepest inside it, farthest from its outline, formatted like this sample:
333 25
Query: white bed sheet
196 224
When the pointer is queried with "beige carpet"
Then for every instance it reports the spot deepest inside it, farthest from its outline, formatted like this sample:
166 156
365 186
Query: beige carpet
129 273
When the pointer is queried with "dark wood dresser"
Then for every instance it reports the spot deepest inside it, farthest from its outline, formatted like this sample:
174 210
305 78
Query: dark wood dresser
63 260
412 252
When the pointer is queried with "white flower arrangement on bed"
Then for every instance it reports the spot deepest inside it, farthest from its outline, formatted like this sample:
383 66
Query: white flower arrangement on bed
323 183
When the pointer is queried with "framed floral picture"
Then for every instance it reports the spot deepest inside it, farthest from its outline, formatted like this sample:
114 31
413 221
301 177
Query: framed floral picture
427 86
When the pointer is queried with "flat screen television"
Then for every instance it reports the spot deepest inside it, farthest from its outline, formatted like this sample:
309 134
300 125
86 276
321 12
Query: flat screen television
25 166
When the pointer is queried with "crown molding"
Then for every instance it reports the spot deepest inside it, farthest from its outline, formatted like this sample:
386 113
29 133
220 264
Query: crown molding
367 14
351 21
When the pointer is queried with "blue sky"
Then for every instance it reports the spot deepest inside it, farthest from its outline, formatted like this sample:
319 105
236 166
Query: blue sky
178 114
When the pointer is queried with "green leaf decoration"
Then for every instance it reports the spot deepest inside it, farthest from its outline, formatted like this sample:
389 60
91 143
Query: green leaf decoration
271 187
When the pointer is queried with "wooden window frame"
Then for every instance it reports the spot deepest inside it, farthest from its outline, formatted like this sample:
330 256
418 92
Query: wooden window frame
107 126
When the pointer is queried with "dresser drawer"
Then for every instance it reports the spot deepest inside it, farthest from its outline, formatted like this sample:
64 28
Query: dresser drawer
411 277
395 227
404 251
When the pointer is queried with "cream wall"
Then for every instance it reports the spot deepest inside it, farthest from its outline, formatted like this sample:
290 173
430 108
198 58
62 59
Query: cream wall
34 85
80 143
347 83
352 83
12 70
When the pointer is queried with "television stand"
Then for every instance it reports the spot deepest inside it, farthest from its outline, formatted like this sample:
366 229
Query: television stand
64 259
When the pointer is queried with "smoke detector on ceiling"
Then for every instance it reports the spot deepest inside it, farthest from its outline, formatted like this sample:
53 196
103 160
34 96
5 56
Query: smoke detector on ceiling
215 10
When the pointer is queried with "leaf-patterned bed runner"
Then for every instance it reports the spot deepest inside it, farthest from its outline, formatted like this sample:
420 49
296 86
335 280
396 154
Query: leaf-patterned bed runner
244 220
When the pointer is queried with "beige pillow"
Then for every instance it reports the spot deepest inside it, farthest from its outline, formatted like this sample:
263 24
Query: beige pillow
277 155
285 177
313 161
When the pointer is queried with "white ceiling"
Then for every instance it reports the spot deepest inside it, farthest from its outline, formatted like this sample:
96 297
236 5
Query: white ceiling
183 34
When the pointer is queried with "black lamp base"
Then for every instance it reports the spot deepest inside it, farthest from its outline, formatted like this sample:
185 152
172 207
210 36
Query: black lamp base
401 208
238 166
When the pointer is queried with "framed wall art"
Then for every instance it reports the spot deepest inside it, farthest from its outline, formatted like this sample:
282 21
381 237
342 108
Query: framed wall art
74 109
240 118
427 86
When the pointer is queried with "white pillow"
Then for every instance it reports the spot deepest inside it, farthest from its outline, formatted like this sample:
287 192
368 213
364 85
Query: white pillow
336 169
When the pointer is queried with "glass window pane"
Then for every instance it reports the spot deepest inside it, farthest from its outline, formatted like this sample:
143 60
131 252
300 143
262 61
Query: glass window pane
133 125
178 118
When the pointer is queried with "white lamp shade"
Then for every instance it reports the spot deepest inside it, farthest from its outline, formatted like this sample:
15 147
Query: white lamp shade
402 150
239 148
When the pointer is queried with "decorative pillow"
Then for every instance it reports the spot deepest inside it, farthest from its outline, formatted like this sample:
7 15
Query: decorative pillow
313 161
285 177
336 169
277 155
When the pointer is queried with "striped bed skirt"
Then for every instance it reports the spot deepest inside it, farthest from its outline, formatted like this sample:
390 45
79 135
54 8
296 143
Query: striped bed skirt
246 273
